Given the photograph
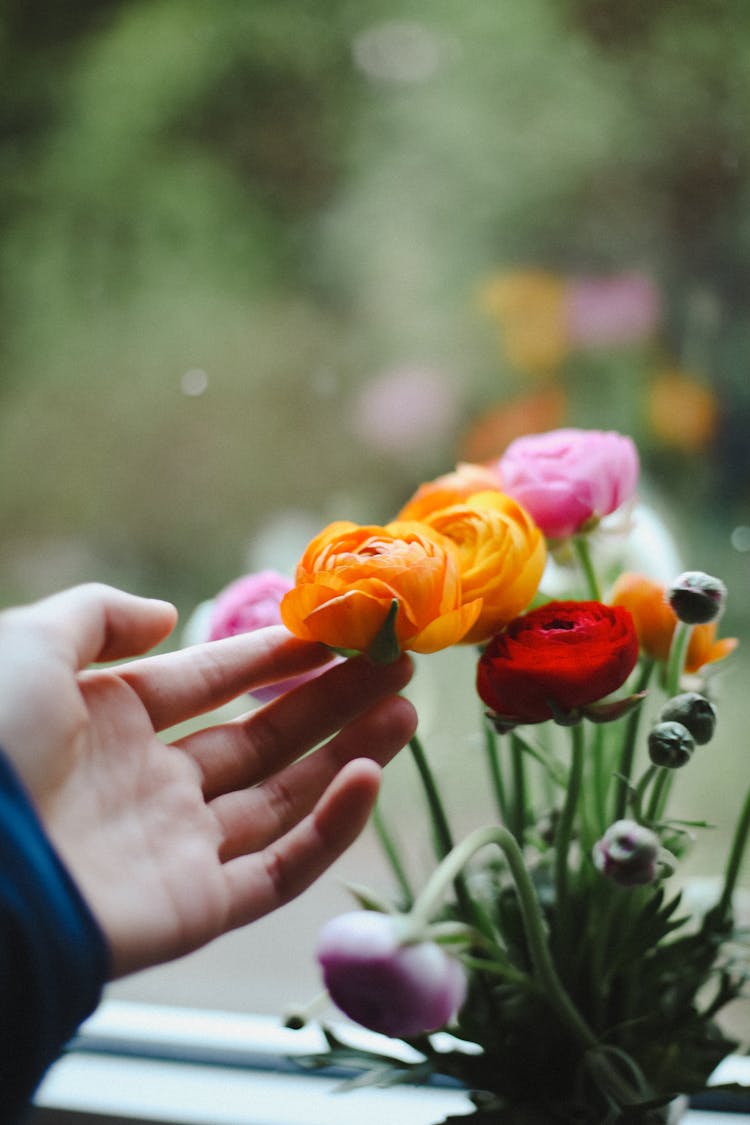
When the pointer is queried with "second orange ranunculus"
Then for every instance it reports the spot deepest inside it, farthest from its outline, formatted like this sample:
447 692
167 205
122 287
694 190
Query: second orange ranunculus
501 556
350 575
655 623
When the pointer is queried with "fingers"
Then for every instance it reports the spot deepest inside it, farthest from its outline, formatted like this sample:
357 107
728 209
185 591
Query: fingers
181 685
94 623
258 884
251 819
243 752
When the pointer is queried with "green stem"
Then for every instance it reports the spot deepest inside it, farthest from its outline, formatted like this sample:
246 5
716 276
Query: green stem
640 792
627 753
734 863
583 553
544 970
564 832
676 658
659 794
391 853
443 837
518 806
496 777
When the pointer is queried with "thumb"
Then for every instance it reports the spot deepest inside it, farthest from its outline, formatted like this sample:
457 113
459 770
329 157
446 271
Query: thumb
94 623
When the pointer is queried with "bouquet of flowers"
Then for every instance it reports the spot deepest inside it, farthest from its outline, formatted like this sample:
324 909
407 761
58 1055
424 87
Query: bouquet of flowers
551 942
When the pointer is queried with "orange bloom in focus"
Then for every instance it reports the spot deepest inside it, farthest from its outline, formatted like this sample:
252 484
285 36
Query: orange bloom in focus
349 577
451 488
655 623
501 552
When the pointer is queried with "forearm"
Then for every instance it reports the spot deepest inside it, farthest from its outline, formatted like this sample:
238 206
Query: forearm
53 957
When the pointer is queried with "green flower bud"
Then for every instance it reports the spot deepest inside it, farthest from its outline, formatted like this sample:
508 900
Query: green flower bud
697 597
670 744
695 712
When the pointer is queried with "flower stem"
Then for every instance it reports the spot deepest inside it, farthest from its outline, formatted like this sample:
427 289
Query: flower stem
739 843
544 970
676 658
391 853
564 832
493 762
583 553
443 837
627 753
662 782
518 810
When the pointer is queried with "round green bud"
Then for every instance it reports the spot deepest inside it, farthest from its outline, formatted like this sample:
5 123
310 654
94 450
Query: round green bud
695 712
670 744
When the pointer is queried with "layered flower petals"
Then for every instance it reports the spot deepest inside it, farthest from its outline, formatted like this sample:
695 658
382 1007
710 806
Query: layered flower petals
350 576
568 479
557 660
501 553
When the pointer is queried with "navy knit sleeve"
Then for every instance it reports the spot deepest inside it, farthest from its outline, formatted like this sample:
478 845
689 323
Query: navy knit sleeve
53 956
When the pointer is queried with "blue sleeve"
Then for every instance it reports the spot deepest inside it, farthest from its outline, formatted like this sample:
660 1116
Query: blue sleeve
54 959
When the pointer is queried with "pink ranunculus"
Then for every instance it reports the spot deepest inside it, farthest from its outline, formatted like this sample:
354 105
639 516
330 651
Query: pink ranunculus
394 988
566 479
250 603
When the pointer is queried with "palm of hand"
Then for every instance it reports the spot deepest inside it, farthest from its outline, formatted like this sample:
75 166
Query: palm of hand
173 844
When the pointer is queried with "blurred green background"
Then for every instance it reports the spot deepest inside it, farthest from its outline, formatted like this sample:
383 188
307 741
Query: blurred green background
266 263
224 225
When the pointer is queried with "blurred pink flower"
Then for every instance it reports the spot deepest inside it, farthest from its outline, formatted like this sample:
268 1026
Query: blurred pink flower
611 310
405 409
250 603
567 479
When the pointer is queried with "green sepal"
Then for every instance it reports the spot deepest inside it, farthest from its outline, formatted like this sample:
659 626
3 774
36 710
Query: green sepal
384 648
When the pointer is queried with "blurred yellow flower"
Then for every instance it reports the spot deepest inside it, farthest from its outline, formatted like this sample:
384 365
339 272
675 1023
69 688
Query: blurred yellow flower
682 411
531 308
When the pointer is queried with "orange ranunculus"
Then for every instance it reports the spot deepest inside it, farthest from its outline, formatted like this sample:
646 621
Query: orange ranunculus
451 488
349 577
655 623
501 554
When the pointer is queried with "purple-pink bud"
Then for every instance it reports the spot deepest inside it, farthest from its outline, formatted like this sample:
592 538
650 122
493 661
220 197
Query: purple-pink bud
395 988
697 597
628 853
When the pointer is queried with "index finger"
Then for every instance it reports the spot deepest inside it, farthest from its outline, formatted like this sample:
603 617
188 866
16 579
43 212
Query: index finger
181 685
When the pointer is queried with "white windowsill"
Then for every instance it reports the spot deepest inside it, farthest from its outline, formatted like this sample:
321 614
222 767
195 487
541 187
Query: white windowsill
147 1063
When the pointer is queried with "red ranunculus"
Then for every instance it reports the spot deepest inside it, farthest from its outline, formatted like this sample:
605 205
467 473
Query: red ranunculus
554 662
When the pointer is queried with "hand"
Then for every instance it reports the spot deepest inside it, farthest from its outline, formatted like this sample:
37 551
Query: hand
174 844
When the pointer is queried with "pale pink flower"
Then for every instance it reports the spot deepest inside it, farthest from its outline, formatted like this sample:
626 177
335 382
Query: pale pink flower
249 603
603 311
568 479
397 989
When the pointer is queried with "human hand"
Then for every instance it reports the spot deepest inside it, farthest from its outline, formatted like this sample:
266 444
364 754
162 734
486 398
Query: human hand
174 844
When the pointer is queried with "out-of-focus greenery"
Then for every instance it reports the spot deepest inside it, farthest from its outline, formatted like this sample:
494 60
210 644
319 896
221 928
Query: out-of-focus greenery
292 197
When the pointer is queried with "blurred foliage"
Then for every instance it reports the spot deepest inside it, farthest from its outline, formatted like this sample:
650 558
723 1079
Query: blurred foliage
293 197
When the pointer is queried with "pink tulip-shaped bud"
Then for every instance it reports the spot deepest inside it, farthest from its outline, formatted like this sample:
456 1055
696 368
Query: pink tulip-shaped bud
628 853
394 987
